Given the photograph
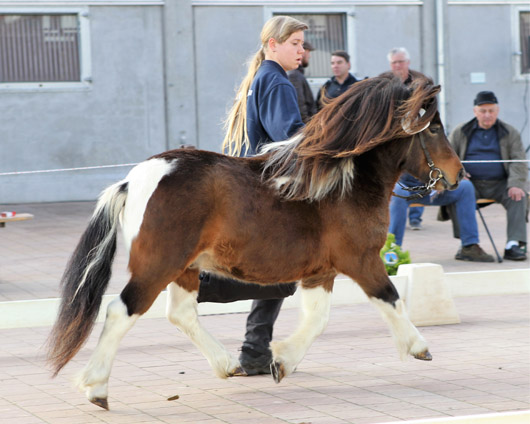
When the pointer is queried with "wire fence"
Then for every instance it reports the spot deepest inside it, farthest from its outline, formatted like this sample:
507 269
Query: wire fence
84 168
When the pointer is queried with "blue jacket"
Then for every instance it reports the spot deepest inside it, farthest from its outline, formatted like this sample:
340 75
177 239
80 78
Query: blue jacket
272 107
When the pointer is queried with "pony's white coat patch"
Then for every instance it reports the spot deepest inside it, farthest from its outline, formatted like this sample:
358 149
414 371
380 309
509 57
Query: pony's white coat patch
143 180
279 182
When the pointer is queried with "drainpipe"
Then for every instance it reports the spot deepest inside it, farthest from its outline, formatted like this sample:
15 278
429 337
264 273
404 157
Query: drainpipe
440 33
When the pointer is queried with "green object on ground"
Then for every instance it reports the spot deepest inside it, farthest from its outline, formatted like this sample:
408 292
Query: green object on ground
393 256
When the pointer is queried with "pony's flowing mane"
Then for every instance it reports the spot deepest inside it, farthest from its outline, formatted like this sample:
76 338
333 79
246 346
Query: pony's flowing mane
319 160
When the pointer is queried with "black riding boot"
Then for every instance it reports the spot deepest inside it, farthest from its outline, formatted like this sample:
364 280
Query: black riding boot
256 356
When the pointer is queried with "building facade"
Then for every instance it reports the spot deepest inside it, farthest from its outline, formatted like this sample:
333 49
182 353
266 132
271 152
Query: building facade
93 84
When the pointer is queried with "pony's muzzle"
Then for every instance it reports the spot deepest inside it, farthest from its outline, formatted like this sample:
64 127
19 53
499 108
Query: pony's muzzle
459 177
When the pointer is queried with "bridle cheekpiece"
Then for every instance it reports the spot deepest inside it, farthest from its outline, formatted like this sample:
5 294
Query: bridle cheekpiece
435 174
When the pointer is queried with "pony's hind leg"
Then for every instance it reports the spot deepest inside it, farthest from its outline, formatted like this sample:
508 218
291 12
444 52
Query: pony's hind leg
288 353
93 379
182 311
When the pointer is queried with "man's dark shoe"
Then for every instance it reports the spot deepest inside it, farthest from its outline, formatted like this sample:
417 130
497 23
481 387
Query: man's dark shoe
254 363
515 253
473 253
415 224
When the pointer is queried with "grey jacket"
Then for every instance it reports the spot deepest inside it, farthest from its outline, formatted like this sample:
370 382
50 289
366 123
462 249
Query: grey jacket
510 144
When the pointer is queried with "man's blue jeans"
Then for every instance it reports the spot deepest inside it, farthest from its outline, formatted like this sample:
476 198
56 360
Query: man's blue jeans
415 214
463 198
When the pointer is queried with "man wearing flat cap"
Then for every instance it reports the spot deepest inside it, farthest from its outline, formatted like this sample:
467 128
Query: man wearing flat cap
306 101
487 138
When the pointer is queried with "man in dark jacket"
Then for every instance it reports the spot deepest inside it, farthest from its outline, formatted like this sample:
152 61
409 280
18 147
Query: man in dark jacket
341 80
306 101
487 138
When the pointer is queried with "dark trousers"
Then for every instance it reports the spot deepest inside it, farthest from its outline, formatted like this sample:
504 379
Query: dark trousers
260 324
516 212
268 300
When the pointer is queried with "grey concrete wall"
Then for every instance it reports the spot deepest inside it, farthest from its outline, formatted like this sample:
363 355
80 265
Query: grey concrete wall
378 29
225 38
119 119
480 40
180 89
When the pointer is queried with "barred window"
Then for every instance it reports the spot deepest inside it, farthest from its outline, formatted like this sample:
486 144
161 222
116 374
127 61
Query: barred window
327 33
41 48
524 28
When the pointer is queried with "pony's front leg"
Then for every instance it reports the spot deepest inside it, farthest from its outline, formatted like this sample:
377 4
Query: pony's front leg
384 296
93 379
182 311
408 339
288 353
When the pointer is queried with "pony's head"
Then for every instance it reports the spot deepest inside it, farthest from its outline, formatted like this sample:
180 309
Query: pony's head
430 156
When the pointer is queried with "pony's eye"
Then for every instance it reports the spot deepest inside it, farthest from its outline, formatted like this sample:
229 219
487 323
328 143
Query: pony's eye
434 129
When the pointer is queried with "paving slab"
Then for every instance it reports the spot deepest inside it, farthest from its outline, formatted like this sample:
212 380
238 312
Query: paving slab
351 374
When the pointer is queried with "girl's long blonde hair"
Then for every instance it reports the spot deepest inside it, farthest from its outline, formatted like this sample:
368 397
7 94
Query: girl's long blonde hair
280 28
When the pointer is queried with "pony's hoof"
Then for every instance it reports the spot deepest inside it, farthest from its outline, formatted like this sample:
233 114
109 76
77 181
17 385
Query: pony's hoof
238 372
101 402
277 371
423 356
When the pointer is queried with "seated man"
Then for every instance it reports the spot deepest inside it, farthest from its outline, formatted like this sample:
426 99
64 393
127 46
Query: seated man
487 138
464 200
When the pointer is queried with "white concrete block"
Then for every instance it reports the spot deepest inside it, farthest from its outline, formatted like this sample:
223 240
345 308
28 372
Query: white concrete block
427 296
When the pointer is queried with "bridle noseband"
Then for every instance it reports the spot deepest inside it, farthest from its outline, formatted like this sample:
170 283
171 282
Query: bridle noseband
435 175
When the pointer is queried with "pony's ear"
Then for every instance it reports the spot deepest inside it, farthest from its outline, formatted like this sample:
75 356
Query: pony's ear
407 123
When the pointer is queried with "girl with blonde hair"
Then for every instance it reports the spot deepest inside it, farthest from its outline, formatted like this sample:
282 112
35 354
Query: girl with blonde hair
266 107
265 110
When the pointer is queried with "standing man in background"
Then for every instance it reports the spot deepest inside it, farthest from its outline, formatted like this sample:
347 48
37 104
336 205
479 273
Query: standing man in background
399 60
342 78
306 101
